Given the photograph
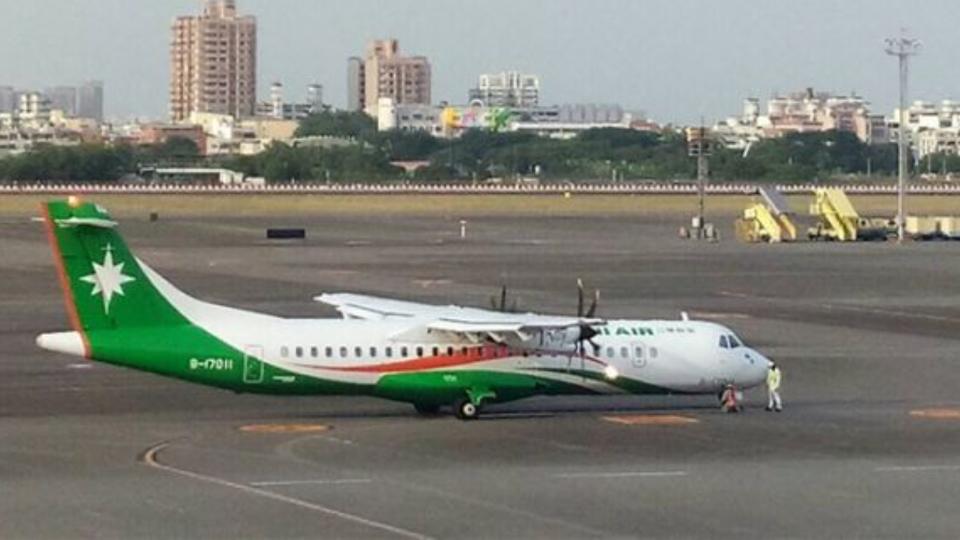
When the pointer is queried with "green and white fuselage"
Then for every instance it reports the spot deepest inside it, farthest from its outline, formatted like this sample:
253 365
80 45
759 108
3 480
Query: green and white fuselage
124 313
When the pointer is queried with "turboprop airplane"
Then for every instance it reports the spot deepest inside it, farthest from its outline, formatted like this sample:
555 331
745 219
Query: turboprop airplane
124 313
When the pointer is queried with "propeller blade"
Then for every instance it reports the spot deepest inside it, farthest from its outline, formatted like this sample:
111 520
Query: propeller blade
586 333
592 311
579 297
503 298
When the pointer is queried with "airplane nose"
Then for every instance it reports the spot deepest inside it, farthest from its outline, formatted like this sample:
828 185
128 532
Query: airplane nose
758 368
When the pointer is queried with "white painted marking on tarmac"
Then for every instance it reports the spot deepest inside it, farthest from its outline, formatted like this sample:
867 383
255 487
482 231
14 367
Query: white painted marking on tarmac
84 365
918 468
625 474
311 482
150 458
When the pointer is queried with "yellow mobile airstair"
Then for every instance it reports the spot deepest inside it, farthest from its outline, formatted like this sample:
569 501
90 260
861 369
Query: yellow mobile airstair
838 218
768 221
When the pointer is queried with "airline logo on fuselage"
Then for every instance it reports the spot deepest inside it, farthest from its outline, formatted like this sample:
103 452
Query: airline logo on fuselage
624 330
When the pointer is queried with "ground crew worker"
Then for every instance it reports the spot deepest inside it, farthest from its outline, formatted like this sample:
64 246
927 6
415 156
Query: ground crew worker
774 378
730 401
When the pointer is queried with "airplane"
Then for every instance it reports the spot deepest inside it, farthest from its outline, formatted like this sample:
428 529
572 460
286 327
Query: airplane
124 313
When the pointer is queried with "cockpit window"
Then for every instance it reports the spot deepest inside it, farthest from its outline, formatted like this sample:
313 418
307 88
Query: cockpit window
723 342
734 343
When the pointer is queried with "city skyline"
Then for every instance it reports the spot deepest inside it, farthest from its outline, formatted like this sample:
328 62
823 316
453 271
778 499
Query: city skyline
676 62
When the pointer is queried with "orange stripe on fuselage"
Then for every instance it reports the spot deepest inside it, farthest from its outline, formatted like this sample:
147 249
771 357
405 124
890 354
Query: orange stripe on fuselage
65 287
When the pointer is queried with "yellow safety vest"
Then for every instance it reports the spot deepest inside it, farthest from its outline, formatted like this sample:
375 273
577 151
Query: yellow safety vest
773 379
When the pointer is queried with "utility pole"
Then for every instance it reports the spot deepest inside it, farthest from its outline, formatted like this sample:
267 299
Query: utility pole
903 48
698 146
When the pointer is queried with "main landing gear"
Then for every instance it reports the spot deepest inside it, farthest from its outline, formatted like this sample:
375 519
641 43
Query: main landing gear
465 409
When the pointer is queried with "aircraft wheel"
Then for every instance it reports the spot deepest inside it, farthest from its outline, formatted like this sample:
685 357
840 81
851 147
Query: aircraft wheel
426 409
466 409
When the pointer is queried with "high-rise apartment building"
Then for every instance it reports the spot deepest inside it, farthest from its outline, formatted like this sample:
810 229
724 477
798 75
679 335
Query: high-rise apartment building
356 93
90 100
213 62
8 99
506 89
84 101
63 98
385 73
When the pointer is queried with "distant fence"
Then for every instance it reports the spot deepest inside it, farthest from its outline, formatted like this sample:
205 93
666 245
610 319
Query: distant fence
464 189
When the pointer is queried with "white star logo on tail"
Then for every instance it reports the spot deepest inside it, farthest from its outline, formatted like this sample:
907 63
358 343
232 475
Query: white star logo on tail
107 278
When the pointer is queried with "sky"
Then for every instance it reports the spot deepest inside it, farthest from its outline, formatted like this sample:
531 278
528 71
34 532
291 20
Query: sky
676 60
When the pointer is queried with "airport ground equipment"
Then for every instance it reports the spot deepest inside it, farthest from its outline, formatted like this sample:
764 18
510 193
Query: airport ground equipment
286 233
933 227
769 220
839 220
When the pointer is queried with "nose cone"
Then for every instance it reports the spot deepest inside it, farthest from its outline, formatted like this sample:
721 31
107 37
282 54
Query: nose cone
756 368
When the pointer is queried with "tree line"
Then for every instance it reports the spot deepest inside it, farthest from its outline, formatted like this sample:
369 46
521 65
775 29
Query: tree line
363 153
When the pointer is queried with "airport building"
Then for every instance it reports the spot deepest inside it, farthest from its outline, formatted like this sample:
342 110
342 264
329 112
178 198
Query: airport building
385 73
213 62
561 121
506 89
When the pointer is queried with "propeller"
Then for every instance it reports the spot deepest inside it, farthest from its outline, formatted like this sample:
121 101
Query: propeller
501 303
587 332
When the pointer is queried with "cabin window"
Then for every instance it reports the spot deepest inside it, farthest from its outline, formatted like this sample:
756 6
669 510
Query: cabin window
358 352
733 341
624 352
284 351
419 352
638 352
314 352
436 351
449 351
463 351
329 352
403 352
610 352
343 352
653 352
373 352
723 342
388 352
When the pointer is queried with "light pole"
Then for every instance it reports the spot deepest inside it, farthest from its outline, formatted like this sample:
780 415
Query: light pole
903 48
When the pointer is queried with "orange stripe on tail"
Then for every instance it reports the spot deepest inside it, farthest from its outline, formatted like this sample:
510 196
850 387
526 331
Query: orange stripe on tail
68 298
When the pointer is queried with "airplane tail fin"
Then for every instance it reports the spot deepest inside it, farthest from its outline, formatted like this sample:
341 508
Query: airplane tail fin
104 285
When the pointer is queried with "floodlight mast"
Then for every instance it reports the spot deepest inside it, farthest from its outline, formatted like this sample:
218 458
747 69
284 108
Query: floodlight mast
903 48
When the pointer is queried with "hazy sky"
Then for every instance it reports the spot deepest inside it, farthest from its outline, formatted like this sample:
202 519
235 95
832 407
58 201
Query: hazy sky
675 59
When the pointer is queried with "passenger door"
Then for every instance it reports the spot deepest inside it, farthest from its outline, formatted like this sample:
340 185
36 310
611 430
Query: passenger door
252 365
638 355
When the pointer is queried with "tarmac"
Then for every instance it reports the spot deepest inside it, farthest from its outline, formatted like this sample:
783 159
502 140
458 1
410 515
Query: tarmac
868 336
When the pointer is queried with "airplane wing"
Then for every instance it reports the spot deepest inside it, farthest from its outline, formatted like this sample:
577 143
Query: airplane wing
473 323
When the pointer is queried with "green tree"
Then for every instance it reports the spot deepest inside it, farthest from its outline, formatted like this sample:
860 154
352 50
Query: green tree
353 124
